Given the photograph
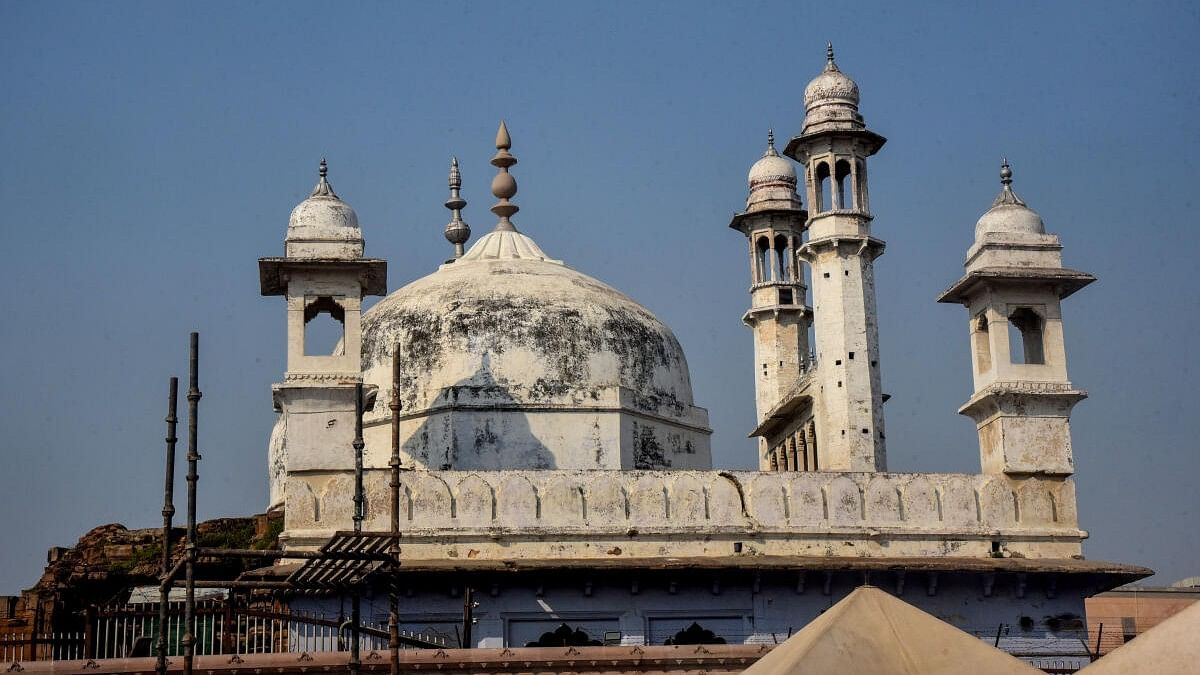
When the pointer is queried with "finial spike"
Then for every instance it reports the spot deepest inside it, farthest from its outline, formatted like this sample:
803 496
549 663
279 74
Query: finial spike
1005 173
770 151
829 52
323 188
503 141
457 231
504 186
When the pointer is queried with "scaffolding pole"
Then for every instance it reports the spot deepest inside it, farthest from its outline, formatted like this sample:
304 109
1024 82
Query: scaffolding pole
394 547
168 511
193 458
356 593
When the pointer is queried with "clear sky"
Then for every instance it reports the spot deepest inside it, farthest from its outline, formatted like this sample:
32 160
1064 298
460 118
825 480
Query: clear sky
151 152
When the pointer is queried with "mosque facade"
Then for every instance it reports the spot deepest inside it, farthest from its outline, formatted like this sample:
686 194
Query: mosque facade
556 464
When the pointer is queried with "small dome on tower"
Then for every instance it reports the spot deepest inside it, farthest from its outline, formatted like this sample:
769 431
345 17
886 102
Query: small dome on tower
772 168
831 86
323 226
772 181
1008 215
831 99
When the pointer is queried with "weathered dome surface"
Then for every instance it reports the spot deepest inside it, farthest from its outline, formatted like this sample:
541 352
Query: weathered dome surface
1008 215
322 212
1009 219
772 181
323 226
523 330
771 169
831 100
831 86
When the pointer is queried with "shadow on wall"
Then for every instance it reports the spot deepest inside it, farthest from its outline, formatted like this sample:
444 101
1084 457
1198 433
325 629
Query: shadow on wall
474 424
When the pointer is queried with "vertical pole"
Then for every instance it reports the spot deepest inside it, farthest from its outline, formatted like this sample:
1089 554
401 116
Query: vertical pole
1099 633
189 606
89 632
37 626
999 630
358 457
468 616
356 593
394 547
168 511
228 626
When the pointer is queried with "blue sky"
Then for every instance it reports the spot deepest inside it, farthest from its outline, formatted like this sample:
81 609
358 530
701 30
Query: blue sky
151 152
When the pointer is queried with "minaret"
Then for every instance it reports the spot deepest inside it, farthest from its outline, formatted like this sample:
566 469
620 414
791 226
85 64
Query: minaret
457 232
322 271
833 147
773 223
1013 288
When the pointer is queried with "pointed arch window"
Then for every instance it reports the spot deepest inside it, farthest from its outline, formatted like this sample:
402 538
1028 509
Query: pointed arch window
822 181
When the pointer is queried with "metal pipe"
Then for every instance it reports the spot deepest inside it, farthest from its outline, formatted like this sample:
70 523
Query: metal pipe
240 583
255 553
168 511
193 457
358 457
356 592
394 545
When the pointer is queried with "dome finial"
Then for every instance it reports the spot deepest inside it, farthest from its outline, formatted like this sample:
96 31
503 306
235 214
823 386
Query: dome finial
1007 196
829 64
504 186
457 231
323 188
770 144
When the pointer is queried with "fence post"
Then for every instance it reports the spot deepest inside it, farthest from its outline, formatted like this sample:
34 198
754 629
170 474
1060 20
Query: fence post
227 625
33 635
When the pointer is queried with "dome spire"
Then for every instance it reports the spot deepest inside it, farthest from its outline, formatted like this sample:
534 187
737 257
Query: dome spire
457 232
323 188
829 63
504 186
770 152
1007 196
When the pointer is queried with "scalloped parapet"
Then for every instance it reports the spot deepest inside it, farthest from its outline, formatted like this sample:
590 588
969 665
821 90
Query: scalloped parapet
565 514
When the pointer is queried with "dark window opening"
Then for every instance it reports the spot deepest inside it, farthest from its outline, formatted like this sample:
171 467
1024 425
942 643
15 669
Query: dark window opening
783 258
823 188
785 296
763 260
845 197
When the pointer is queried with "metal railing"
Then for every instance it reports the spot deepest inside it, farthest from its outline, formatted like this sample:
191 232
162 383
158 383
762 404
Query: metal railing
122 631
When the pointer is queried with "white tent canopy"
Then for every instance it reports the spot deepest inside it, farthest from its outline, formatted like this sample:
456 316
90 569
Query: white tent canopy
1170 648
872 632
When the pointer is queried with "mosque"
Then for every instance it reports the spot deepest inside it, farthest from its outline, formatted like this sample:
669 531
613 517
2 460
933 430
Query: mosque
555 462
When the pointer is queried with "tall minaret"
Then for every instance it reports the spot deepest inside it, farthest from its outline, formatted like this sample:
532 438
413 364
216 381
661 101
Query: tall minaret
1013 288
322 271
833 146
773 223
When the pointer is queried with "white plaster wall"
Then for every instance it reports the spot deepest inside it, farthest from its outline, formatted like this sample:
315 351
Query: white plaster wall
601 514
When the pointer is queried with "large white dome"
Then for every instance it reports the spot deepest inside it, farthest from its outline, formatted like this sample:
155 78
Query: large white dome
531 336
